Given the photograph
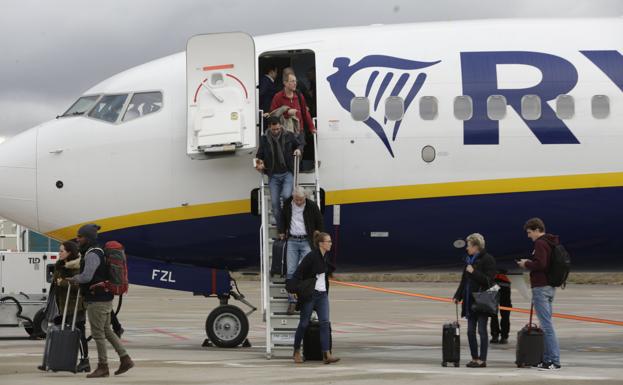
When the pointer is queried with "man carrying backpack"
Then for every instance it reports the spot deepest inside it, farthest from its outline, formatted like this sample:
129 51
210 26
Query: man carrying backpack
94 270
543 290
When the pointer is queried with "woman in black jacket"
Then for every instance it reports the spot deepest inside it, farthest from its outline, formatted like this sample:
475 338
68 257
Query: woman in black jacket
311 281
478 275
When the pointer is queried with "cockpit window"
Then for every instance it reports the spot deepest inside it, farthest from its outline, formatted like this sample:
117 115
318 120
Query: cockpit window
108 108
81 105
143 103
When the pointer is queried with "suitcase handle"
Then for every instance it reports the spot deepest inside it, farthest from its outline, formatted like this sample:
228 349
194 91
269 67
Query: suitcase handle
456 305
73 322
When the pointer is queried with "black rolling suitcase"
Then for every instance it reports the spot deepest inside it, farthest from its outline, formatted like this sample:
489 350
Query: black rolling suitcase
64 344
451 342
530 345
278 264
312 350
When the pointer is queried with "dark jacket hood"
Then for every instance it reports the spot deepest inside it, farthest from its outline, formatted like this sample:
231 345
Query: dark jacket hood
551 238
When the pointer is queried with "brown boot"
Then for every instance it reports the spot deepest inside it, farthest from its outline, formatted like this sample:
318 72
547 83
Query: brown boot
126 364
328 358
291 308
101 371
298 359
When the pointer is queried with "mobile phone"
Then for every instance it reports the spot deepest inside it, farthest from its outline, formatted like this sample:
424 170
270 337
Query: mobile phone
255 162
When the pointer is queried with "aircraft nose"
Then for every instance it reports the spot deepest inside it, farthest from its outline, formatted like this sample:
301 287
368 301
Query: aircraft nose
18 179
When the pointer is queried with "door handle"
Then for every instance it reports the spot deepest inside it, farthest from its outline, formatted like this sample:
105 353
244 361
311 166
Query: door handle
57 151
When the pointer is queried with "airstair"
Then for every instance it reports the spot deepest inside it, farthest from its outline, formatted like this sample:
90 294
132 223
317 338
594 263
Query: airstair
280 327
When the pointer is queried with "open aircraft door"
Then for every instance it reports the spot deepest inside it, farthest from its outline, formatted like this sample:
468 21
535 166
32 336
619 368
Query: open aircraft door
220 86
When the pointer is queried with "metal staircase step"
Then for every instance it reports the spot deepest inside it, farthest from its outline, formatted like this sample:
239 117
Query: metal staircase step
282 337
278 291
283 321
278 305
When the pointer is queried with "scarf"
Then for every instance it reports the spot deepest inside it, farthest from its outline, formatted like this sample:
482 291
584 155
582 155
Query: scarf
467 295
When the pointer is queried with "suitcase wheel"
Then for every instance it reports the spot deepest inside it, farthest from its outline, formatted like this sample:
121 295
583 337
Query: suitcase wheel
457 364
444 364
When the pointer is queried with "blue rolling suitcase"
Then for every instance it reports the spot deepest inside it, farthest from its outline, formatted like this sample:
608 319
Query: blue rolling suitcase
64 344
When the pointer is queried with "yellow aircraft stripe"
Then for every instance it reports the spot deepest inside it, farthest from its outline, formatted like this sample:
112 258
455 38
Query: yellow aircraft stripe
363 195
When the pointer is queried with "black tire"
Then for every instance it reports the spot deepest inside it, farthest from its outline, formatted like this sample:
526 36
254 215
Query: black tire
39 326
227 326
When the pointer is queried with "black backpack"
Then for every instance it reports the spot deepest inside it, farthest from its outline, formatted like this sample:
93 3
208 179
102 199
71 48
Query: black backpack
559 266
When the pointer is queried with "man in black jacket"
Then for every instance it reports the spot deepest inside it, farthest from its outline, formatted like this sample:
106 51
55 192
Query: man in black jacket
301 218
93 270
275 157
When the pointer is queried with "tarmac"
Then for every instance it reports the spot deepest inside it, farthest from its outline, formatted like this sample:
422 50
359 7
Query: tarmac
381 338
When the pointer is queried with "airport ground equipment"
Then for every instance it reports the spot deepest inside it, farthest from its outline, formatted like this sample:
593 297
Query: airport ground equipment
280 327
24 290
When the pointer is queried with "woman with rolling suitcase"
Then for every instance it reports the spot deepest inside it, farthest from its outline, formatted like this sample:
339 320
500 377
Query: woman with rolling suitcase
478 276
311 285
68 265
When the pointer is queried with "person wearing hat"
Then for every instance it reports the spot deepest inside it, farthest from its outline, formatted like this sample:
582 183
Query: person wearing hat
275 157
93 270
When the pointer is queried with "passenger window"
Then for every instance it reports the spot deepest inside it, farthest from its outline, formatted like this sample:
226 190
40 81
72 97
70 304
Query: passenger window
108 108
600 105
496 107
531 107
394 108
463 107
142 104
81 105
428 107
565 107
360 108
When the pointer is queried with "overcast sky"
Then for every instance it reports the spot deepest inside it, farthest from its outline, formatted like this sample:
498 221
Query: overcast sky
52 51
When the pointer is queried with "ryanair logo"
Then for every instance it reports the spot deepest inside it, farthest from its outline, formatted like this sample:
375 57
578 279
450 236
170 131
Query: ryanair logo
383 76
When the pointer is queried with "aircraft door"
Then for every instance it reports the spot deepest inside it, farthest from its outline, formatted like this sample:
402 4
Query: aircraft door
220 86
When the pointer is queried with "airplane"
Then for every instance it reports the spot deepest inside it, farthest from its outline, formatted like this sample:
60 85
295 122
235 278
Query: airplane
425 133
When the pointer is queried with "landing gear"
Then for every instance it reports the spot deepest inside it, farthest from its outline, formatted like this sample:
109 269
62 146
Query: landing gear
227 326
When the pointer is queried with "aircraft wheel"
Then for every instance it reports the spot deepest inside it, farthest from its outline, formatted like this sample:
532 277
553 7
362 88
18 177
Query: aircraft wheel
227 326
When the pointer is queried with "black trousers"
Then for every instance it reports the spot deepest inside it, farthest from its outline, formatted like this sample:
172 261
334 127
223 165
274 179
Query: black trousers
505 315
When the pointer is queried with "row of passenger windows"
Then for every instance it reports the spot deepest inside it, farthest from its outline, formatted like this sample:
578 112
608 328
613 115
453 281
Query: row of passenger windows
531 107
110 107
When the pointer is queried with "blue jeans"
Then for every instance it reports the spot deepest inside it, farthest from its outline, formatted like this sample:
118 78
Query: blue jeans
542 297
280 187
481 320
320 303
297 249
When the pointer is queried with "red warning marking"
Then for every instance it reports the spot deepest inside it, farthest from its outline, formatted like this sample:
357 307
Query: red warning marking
246 94
166 333
198 88
218 67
